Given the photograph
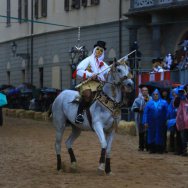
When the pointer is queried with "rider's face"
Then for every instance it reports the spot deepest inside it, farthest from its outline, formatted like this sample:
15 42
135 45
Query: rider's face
98 51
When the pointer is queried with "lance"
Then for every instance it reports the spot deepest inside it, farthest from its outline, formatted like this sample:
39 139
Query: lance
121 59
126 56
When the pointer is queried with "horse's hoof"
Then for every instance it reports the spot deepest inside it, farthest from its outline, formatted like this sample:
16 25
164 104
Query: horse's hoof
58 172
101 169
73 167
110 174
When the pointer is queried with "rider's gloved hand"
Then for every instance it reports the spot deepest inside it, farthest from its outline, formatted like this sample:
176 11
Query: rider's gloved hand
94 77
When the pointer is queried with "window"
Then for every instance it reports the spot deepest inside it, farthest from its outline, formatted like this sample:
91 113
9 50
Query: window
72 4
44 8
26 9
75 4
95 2
41 8
36 9
66 5
84 3
22 10
8 13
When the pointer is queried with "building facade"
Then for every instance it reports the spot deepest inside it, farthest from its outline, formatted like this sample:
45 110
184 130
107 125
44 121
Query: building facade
36 37
159 26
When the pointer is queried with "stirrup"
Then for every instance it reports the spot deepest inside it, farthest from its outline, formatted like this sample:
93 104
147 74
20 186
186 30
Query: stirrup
79 119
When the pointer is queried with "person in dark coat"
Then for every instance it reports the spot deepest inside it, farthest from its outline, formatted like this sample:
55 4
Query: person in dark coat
1 117
175 137
165 96
138 109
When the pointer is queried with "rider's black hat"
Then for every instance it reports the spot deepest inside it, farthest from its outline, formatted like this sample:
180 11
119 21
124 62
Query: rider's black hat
100 44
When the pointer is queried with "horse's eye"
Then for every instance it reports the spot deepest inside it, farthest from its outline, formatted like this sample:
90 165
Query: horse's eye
125 77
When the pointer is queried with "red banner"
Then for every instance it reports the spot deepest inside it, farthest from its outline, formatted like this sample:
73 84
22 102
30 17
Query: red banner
143 77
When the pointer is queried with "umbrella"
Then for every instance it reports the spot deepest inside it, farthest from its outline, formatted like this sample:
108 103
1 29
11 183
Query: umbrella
3 100
161 85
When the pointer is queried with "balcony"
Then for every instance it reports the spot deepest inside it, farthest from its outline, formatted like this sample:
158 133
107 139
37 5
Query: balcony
145 4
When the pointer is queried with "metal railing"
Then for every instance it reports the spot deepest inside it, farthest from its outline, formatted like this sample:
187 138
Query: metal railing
148 3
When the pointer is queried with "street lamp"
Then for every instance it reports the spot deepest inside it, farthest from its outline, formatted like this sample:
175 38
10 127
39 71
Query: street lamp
22 55
77 54
25 56
14 47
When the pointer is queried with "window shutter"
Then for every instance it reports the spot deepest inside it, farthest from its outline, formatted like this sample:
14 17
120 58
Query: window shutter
95 2
36 9
44 8
26 9
84 3
8 12
20 11
66 5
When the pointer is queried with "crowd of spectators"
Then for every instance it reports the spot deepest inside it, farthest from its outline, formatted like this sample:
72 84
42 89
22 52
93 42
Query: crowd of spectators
159 114
170 62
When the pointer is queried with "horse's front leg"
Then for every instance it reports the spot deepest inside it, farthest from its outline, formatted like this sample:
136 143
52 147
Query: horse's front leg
110 137
100 133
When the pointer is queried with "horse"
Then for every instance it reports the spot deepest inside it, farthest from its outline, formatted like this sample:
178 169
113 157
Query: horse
104 112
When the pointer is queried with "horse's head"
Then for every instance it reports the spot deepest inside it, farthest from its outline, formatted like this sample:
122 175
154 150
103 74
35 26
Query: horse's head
123 76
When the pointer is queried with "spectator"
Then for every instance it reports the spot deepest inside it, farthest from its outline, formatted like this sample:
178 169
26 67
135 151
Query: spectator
175 137
154 119
138 108
165 96
157 65
181 102
1 117
168 61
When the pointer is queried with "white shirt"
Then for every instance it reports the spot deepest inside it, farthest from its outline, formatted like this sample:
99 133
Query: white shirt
90 66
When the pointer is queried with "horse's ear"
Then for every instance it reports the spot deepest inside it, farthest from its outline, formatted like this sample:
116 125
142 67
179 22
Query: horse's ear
113 66
130 76
116 63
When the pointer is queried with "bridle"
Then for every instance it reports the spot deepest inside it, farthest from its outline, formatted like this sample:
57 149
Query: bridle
114 74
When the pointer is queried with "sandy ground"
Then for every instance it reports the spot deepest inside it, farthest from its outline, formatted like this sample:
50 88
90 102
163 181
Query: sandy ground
27 160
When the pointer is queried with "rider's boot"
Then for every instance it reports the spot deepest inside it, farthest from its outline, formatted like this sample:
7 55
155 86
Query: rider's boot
84 103
80 118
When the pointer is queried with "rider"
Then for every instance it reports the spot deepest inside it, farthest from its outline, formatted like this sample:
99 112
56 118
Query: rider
96 69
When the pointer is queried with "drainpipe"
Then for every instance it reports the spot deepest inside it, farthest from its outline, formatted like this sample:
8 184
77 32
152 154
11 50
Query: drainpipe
120 29
31 58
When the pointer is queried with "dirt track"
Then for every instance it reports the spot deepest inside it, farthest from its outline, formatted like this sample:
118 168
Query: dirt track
27 160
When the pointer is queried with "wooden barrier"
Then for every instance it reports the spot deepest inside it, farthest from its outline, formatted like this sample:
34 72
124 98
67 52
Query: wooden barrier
124 127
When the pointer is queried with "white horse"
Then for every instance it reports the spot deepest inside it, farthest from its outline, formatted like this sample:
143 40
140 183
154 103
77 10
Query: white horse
104 115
